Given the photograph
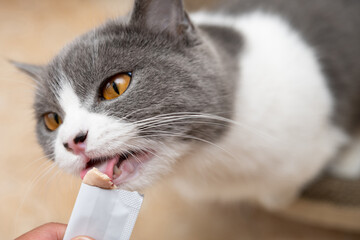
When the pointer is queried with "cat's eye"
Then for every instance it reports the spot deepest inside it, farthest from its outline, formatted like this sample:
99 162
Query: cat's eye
52 121
116 85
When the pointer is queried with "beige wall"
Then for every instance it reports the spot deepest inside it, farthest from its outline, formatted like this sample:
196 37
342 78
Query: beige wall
32 192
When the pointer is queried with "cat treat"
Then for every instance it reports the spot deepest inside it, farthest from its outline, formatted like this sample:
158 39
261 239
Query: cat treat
102 211
96 178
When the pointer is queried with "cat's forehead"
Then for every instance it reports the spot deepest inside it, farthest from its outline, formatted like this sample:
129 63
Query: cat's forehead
114 44
106 51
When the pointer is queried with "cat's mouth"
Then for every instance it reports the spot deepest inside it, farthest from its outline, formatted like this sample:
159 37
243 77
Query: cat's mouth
122 167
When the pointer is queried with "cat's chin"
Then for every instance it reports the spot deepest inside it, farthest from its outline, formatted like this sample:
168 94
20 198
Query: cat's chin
122 168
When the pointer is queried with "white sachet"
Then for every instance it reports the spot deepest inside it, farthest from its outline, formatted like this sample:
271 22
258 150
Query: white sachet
104 214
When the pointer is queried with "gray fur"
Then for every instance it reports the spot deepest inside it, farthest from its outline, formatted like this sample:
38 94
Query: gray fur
32 70
162 15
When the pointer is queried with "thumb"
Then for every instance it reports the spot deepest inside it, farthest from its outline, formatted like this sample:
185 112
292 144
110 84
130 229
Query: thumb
82 238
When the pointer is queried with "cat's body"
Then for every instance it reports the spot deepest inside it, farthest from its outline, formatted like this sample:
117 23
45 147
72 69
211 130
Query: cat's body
251 105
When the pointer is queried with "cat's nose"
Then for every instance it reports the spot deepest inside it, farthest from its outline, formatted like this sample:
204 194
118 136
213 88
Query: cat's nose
78 144
80 138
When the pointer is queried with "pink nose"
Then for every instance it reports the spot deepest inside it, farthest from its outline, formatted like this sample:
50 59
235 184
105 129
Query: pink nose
78 144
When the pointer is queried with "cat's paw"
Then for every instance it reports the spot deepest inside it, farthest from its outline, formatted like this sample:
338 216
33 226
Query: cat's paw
279 200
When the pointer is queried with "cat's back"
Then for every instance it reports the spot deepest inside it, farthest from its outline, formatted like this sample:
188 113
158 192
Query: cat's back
319 21
331 29
297 70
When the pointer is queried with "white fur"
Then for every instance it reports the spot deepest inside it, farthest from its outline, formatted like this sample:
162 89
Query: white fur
284 137
103 131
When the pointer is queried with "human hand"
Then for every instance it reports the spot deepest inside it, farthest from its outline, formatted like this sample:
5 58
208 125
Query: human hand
49 231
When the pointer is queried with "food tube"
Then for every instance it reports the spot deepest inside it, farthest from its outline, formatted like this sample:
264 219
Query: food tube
103 214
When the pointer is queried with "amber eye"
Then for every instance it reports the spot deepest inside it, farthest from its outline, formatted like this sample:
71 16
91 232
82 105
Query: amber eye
52 121
116 85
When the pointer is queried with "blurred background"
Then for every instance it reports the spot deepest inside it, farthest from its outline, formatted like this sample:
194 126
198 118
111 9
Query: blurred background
33 192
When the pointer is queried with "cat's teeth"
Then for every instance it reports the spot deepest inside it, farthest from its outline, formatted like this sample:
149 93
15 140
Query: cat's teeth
117 171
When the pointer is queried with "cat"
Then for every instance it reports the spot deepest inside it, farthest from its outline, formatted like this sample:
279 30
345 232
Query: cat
248 103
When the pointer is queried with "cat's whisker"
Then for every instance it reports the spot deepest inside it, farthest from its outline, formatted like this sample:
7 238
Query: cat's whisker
142 150
268 140
27 191
40 168
176 114
36 161
169 134
169 157
133 112
266 137
169 123
56 177
47 176
179 116
44 186
44 174
52 177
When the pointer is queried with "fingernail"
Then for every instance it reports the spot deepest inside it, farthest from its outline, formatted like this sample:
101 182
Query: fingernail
82 238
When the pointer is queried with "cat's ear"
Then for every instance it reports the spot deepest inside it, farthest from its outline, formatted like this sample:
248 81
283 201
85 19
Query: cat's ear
34 71
162 15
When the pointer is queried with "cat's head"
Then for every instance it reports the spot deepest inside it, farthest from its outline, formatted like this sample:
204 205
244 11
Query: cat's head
131 97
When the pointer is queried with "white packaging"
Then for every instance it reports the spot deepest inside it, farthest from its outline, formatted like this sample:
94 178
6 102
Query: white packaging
104 214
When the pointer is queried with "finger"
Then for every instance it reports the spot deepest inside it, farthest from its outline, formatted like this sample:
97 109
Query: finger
49 231
82 238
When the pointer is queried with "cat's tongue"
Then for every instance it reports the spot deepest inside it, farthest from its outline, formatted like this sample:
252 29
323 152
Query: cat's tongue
106 167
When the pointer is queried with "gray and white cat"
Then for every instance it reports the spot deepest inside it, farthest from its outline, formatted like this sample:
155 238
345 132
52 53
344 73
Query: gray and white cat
249 103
